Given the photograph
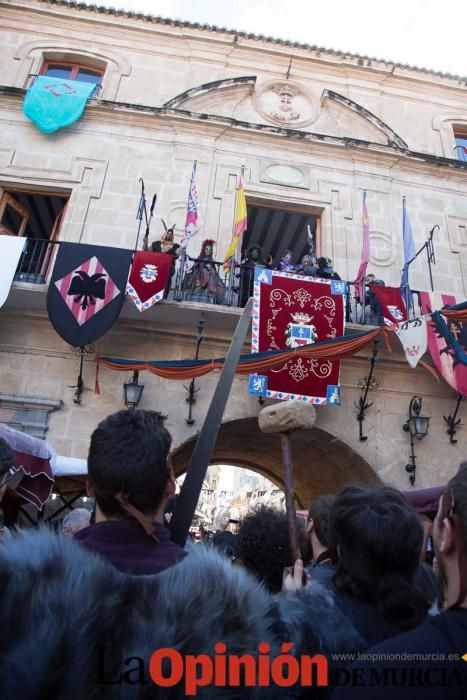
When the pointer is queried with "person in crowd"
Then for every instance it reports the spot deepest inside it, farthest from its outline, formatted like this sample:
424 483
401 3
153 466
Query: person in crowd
203 277
75 627
373 311
76 520
226 543
429 657
263 545
307 266
131 480
325 269
377 539
321 568
285 263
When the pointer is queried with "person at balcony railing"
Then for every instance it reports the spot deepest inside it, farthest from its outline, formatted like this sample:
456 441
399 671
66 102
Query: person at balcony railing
373 312
203 278
253 258
285 263
307 266
325 269
168 246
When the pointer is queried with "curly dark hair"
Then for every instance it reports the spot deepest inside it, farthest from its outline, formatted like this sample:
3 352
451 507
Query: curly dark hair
263 545
378 538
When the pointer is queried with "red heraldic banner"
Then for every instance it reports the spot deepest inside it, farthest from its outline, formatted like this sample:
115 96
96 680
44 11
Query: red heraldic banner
148 278
392 305
290 311
443 354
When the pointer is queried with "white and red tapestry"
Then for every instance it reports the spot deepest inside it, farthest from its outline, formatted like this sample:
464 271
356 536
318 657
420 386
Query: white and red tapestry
291 311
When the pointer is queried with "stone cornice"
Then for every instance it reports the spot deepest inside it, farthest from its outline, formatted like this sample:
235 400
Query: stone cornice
178 117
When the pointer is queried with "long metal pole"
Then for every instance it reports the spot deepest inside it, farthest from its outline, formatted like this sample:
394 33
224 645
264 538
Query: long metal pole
191 489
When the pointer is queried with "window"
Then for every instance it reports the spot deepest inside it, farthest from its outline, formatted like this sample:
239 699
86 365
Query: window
461 144
74 71
276 230
36 216
29 414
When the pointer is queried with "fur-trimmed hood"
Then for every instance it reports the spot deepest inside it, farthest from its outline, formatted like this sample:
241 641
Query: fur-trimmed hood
70 620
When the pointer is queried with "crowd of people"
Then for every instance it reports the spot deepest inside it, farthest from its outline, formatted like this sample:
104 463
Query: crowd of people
85 612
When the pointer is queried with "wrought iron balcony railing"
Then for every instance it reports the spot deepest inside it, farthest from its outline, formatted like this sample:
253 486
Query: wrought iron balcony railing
195 280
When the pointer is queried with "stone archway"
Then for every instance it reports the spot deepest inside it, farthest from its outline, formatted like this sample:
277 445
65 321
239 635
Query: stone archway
322 463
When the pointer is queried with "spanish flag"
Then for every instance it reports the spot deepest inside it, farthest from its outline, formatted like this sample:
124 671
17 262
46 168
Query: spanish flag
240 222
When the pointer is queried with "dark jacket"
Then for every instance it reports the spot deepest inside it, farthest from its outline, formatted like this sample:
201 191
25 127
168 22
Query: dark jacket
69 621
125 544
435 670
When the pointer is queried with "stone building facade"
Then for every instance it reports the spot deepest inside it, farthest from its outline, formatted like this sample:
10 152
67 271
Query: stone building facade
313 129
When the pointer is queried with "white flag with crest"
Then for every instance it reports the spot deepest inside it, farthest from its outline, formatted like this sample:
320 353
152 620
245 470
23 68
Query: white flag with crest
413 336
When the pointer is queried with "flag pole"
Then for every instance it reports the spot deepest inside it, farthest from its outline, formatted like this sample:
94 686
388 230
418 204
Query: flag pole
231 259
184 243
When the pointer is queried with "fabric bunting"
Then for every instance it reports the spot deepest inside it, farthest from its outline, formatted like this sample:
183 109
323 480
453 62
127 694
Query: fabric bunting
336 348
249 364
53 103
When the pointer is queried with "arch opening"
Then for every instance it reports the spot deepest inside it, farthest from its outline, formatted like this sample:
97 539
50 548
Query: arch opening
322 463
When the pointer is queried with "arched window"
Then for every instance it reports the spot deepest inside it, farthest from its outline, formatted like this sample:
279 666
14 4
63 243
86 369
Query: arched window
460 136
74 71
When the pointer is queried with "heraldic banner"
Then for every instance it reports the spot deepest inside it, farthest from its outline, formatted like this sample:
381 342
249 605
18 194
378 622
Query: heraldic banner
148 278
392 305
87 290
442 351
290 311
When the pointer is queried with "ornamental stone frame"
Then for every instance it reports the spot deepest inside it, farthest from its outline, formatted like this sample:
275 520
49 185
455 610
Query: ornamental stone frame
32 54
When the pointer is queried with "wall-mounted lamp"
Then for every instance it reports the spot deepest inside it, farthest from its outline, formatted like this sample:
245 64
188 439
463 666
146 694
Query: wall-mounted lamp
132 391
417 426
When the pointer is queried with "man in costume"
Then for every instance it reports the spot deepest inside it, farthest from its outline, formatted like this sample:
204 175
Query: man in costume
203 278
307 267
285 263
253 258
167 245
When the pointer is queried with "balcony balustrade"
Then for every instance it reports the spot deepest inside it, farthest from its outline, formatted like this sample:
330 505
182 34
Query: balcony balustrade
230 288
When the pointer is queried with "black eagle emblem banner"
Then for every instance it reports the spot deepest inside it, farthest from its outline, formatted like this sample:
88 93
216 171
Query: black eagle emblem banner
86 290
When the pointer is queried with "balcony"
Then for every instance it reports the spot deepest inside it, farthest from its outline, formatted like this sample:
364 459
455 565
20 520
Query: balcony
221 303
